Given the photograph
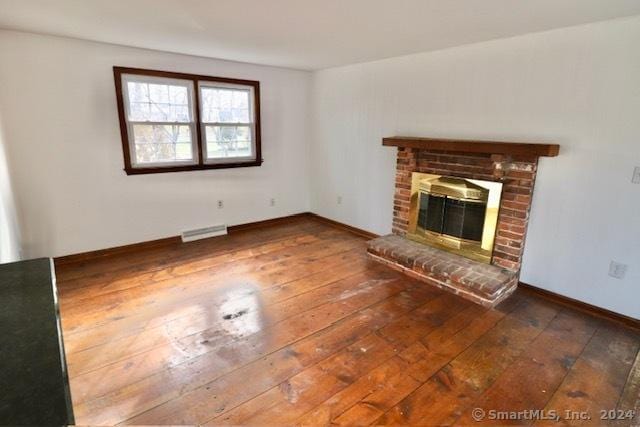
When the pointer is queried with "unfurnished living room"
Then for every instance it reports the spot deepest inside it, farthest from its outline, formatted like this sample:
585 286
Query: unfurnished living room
336 212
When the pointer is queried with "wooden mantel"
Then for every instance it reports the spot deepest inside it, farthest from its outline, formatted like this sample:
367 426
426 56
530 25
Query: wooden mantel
473 146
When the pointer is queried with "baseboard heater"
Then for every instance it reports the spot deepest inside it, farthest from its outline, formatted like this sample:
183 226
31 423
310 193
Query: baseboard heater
204 233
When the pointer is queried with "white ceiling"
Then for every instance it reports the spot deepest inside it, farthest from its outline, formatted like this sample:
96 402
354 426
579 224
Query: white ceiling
304 34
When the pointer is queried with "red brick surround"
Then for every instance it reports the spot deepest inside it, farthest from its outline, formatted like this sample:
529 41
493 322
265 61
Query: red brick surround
517 173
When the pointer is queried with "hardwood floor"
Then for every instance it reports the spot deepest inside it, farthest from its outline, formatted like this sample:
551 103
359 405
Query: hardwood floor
292 324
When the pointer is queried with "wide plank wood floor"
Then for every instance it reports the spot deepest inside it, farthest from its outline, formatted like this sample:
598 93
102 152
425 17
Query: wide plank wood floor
292 324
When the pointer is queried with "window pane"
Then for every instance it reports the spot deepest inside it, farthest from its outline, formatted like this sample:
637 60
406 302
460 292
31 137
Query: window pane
157 102
162 143
228 142
225 105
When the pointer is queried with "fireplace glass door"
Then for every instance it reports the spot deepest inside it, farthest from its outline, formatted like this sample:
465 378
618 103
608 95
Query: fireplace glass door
463 219
454 213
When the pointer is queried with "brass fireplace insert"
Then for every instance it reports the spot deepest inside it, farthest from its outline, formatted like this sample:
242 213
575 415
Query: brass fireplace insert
455 214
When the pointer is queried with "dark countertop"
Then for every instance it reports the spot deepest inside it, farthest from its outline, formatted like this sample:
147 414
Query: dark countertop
34 387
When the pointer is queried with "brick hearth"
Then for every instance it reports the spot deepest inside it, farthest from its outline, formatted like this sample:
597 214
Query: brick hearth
481 283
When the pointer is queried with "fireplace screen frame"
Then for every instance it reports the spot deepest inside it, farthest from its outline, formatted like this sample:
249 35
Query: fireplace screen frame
461 189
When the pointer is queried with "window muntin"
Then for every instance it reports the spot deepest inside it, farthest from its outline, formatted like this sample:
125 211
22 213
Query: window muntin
175 121
160 121
227 121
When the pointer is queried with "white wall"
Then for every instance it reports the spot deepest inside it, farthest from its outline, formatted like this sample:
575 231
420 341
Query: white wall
579 87
9 231
62 134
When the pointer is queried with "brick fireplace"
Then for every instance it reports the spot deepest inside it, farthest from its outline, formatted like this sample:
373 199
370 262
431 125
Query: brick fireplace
514 165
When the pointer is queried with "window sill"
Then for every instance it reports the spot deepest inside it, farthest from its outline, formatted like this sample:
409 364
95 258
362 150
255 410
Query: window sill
166 169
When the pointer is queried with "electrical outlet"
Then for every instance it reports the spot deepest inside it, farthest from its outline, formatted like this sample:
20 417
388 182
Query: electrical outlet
272 202
339 200
220 204
636 175
617 270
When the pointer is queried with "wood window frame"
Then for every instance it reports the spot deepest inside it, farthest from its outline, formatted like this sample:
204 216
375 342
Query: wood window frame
202 163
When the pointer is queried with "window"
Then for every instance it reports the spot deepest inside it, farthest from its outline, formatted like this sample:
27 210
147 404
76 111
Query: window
176 122
226 121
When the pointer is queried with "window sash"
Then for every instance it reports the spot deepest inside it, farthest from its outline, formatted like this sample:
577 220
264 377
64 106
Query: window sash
241 88
213 160
133 78
176 162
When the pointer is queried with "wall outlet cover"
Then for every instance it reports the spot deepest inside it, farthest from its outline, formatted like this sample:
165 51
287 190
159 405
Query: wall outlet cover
636 175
